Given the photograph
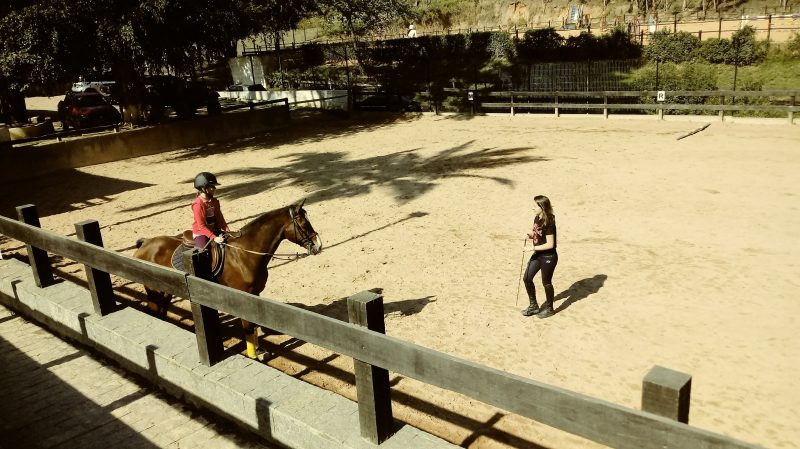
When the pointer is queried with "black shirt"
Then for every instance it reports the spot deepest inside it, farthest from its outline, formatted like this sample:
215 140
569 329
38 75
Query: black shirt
541 231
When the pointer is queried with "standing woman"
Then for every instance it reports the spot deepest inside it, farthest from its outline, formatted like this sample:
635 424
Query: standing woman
544 258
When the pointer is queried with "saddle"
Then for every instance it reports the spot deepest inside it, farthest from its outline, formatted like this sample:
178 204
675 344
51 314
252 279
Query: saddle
187 243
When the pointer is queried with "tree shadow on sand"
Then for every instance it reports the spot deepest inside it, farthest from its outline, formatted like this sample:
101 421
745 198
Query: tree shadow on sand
64 191
332 175
580 290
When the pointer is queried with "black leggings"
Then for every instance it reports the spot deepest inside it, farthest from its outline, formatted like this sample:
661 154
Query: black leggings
540 261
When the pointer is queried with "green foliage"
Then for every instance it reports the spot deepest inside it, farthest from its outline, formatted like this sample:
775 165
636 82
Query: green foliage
793 46
501 46
360 17
440 14
715 51
671 76
539 45
746 50
742 49
665 46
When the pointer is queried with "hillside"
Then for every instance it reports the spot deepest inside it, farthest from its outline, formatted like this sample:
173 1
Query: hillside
454 14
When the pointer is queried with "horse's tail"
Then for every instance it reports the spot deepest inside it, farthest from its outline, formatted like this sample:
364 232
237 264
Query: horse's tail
139 242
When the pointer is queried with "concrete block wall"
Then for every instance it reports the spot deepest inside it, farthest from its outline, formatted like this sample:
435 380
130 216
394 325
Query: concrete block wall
259 398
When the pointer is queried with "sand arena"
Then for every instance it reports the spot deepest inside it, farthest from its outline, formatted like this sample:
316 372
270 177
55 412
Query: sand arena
672 252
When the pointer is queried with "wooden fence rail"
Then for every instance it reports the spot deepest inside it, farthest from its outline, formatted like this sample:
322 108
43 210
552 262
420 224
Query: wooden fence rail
665 392
781 101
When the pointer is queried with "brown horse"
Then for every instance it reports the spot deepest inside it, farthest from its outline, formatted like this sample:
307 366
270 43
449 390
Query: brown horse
247 254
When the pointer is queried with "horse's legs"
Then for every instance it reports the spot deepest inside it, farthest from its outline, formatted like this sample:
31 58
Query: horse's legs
251 337
158 302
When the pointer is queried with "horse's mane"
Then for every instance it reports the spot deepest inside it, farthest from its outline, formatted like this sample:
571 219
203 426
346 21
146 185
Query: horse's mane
256 222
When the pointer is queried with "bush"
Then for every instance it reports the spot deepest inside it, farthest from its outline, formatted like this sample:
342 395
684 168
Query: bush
745 49
671 76
715 51
793 46
672 47
540 45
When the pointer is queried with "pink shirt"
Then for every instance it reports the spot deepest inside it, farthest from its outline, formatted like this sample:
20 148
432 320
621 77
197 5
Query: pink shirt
207 217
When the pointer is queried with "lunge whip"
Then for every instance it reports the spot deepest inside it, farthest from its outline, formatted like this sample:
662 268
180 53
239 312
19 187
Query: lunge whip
521 264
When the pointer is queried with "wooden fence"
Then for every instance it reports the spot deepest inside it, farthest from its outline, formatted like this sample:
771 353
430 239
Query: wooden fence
780 101
665 394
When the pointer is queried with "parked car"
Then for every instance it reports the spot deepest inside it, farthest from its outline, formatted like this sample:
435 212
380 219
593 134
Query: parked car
184 97
388 102
87 109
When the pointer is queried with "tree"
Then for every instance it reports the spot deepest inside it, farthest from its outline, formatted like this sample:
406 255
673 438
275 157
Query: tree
362 17
50 42
540 45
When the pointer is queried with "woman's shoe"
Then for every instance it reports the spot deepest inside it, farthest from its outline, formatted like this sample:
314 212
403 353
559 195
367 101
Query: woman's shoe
532 309
546 311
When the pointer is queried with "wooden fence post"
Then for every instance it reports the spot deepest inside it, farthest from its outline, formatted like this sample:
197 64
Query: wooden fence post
42 271
206 320
372 382
721 111
667 393
99 281
791 113
769 28
512 104
605 103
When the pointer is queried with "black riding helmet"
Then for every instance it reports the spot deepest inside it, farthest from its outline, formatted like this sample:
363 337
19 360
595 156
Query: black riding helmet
205 179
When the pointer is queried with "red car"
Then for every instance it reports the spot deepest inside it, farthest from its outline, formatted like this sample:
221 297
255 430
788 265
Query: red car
87 109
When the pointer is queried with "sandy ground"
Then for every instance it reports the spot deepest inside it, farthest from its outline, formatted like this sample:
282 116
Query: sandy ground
676 253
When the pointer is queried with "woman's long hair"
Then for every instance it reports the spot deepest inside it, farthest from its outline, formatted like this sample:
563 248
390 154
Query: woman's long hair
547 209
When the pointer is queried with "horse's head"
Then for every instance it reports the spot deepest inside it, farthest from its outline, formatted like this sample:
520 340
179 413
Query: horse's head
300 230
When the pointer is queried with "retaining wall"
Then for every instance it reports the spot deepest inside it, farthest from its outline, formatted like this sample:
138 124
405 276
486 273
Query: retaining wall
261 399
22 162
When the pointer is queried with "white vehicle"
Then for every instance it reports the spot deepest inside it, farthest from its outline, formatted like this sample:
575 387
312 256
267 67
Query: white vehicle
104 87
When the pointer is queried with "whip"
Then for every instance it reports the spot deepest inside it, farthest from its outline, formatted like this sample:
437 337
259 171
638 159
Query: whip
521 264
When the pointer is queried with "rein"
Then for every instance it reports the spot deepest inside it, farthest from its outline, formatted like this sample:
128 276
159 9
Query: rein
286 256
306 240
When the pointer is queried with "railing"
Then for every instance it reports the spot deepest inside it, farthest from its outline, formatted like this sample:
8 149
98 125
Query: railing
516 101
665 392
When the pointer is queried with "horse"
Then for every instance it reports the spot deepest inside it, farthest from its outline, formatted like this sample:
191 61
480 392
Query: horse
246 255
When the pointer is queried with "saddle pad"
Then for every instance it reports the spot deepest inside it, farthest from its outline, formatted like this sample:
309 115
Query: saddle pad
177 257
217 258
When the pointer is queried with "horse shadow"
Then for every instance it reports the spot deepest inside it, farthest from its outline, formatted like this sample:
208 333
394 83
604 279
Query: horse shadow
580 290
338 309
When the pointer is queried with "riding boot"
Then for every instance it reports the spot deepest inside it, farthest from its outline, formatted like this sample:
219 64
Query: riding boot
533 308
547 308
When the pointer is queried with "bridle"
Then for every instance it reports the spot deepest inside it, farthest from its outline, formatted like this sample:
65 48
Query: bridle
306 241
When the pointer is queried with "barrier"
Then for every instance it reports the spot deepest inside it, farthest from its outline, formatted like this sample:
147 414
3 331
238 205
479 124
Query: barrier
591 101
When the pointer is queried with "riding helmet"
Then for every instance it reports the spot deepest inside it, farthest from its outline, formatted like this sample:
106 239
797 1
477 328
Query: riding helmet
205 179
